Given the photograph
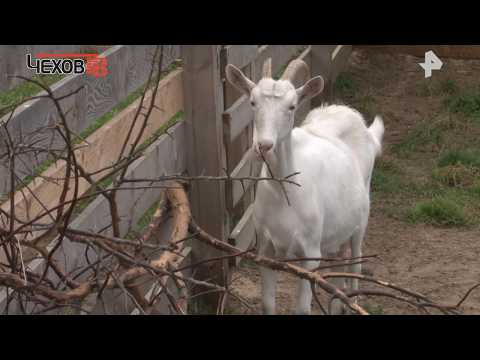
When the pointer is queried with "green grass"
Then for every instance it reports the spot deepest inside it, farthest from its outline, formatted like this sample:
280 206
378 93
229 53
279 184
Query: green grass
475 190
467 158
345 86
456 176
430 87
432 175
425 134
448 87
441 210
24 90
366 105
385 182
467 103
454 191
374 309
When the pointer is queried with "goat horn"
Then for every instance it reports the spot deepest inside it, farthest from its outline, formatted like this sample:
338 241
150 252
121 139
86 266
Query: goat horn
295 68
267 68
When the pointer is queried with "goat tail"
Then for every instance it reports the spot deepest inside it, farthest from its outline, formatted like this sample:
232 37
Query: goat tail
376 130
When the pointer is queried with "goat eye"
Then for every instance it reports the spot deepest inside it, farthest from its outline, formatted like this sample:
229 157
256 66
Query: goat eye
252 103
291 108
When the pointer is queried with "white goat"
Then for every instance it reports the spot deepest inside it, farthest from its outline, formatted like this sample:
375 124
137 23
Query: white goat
334 152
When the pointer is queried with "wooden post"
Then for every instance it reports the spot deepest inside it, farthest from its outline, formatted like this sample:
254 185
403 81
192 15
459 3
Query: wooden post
204 105
321 56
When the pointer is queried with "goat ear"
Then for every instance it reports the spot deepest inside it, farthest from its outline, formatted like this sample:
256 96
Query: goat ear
236 77
312 88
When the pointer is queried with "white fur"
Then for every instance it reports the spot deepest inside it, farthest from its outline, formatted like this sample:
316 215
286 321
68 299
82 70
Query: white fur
334 152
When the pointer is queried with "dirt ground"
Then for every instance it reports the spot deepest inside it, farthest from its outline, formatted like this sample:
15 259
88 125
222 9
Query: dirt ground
439 262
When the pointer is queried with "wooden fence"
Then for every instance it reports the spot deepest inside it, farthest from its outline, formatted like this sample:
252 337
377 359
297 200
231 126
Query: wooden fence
129 66
212 137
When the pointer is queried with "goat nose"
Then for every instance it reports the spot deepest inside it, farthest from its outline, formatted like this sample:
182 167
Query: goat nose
265 146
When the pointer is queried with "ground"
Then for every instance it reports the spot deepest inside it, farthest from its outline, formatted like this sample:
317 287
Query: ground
424 223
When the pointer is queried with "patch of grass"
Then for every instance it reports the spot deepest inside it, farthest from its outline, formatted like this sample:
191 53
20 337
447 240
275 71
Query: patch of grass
25 90
467 103
391 180
374 309
365 105
346 86
247 263
448 87
197 306
421 188
455 175
389 165
441 210
385 182
430 87
475 190
423 88
450 122
426 133
467 158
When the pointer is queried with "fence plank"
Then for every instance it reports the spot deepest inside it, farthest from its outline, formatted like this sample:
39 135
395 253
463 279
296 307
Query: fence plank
241 55
203 93
237 118
103 149
304 109
243 234
340 57
322 65
235 149
167 155
246 167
